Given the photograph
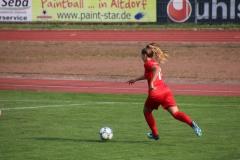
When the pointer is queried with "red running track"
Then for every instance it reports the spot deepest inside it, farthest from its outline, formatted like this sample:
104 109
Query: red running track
118 36
114 87
122 35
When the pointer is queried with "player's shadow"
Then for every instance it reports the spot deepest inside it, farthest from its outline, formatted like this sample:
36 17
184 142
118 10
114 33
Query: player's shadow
64 139
93 141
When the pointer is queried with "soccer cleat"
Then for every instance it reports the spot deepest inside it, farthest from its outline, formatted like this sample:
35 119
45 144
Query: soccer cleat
197 130
151 136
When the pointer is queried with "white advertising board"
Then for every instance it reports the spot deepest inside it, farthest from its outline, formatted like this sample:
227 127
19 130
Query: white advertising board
15 10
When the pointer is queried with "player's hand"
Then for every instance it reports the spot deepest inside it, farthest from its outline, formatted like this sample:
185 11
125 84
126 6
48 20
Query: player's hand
131 81
152 88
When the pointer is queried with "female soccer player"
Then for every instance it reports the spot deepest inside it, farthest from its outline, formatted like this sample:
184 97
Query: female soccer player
158 92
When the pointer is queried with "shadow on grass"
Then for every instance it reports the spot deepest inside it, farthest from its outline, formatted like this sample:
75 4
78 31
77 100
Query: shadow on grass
93 141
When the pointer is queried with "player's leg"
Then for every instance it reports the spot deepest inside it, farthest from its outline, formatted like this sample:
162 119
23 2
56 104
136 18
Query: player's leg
151 123
183 117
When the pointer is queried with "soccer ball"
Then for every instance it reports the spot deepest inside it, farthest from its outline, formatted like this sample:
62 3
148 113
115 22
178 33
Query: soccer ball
106 133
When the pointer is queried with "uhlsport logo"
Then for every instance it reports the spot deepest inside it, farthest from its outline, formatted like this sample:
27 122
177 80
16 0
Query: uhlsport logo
179 10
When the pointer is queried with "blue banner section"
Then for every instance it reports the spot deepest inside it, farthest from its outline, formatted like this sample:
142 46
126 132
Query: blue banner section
198 11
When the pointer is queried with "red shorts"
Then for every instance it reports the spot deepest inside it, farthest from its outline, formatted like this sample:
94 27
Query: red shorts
155 100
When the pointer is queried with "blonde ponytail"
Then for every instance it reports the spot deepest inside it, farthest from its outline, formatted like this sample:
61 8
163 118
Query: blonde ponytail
159 55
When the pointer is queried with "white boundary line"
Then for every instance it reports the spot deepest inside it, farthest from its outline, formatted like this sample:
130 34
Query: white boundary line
51 106
115 88
73 87
18 108
205 91
98 103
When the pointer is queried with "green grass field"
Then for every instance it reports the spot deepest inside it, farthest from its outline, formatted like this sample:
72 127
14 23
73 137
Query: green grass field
46 125
117 26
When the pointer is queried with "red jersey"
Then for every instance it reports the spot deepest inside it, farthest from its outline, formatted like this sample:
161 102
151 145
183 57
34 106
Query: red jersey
159 84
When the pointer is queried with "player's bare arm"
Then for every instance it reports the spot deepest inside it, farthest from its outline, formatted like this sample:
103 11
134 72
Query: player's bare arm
156 71
132 81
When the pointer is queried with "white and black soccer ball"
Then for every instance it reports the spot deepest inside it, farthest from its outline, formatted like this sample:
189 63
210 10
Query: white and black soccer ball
106 133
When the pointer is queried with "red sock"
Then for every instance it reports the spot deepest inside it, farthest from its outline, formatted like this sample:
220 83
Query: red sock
151 122
182 117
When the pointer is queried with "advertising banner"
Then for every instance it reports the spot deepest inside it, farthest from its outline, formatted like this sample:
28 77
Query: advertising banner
94 10
199 11
15 10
